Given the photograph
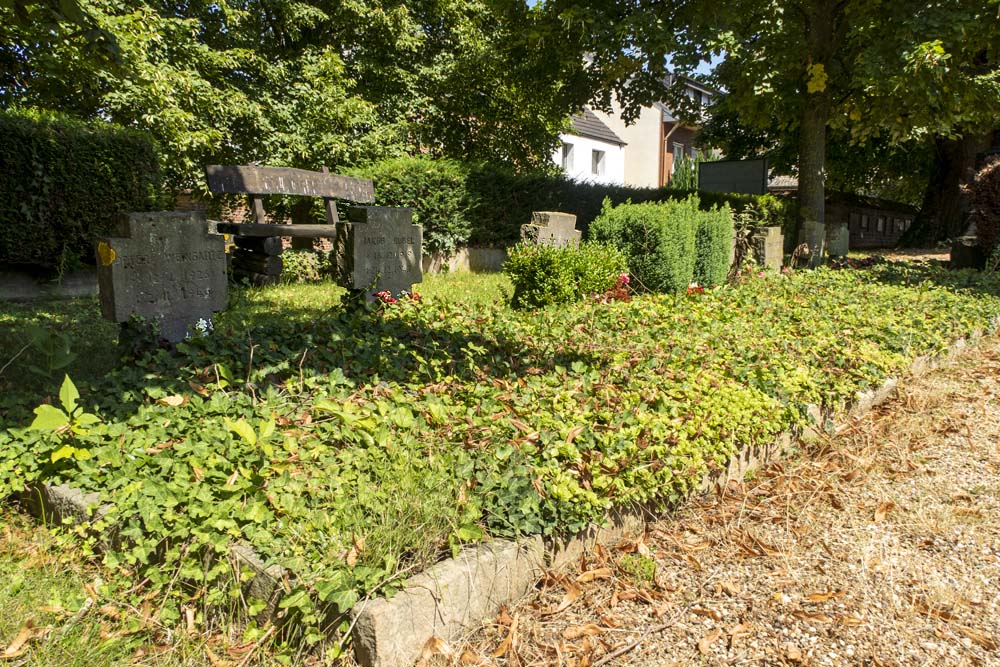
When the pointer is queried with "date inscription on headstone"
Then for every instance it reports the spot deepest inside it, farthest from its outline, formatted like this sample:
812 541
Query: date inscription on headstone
379 249
168 268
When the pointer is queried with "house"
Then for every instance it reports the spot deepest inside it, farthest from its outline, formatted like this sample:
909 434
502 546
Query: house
592 152
651 145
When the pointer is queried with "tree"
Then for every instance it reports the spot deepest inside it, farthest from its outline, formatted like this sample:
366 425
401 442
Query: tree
805 68
306 82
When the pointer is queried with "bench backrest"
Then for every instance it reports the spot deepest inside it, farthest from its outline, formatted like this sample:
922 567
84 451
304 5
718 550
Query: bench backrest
259 181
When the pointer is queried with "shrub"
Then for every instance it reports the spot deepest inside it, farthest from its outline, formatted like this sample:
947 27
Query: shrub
64 182
543 275
305 266
984 203
713 246
434 189
501 201
658 241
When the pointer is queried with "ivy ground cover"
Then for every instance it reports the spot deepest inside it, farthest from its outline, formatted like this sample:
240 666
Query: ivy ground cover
356 447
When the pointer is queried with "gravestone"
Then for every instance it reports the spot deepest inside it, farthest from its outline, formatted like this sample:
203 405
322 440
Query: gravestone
838 239
768 244
551 228
379 249
168 268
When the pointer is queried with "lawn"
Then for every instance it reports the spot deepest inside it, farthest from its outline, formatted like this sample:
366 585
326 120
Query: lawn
357 447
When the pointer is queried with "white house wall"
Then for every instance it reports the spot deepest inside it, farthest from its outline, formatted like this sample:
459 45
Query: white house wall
583 147
642 144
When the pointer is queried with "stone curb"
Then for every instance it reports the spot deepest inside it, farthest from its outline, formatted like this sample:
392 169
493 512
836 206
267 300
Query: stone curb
457 595
60 503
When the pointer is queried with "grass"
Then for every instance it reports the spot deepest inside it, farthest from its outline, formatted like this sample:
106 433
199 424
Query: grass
52 588
27 328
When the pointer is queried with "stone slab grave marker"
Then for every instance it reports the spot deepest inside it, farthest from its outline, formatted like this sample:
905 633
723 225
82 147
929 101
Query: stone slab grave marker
551 228
168 268
768 244
838 239
379 249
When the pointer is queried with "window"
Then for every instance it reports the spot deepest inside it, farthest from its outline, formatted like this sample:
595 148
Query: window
567 158
880 227
900 224
678 152
864 222
597 163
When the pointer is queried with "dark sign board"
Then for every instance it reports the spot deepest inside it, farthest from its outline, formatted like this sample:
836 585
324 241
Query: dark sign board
743 176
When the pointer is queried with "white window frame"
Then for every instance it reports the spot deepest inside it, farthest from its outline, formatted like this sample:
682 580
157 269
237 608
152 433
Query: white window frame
598 160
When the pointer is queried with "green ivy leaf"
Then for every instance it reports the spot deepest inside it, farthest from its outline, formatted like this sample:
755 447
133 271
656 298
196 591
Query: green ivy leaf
68 395
242 429
48 418
64 452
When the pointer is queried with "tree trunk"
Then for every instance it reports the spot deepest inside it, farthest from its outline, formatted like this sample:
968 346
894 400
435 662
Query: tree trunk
944 210
821 25
812 176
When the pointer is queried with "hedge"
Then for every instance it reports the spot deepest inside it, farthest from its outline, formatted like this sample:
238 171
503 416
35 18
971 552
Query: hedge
65 182
669 244
543 275
434 189
713 245
485 205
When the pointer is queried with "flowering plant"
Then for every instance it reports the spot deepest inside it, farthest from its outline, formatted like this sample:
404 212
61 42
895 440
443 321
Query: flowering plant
695 288
619 292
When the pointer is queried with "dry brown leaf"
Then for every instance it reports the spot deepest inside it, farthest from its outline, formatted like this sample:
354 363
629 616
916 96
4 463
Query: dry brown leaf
850 620
792 653
572 593
728 587
591 575
19 646
692 561
503 618
432 647
740 630
573 433
520 426
214 660
52 609
707 613
474 659
508 642
812 618
705 643
577 631
824 597
173 401
198 389
883 510
984 640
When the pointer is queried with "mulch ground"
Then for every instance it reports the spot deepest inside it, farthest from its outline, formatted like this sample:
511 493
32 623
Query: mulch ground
879 546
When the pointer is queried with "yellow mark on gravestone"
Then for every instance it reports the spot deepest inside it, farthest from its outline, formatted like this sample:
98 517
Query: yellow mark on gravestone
106 253
817 78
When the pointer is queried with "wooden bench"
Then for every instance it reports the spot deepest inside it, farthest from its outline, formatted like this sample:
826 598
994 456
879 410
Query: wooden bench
258 254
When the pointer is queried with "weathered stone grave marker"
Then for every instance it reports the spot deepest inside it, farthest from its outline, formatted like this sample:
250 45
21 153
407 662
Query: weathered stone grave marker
168 268
838 239
379 249
768 245
551 228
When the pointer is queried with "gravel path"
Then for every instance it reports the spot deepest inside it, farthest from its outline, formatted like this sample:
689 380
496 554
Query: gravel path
878 547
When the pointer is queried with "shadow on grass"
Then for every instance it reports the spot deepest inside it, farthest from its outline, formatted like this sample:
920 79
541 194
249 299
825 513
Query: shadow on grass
913 274
265 341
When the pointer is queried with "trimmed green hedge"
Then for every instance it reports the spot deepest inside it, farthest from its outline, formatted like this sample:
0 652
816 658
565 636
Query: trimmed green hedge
434 189
669 244
485 205
543 275
713 246
64 182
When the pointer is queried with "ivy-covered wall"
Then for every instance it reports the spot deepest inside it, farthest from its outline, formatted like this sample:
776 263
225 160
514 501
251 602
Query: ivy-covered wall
64 182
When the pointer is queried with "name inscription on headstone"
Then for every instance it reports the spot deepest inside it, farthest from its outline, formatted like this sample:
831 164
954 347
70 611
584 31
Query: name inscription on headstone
379 249
168 268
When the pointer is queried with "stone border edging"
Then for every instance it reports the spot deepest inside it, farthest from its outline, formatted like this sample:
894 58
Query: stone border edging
457 594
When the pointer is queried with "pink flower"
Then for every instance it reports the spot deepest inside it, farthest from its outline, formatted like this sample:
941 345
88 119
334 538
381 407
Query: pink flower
760 275
623 279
